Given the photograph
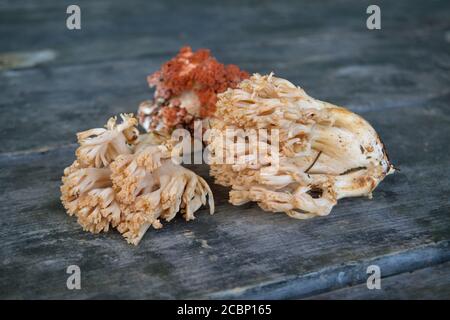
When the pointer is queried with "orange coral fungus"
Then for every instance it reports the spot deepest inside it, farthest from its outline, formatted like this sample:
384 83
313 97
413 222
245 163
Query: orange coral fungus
186 90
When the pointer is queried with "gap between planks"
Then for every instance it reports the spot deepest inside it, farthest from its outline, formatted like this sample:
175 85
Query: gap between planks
340 277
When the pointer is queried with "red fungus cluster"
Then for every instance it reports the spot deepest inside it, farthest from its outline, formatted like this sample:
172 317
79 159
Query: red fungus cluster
186 89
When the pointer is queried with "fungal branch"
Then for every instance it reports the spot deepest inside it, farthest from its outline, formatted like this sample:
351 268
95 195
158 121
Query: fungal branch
186 89
326 152
288 152
122 180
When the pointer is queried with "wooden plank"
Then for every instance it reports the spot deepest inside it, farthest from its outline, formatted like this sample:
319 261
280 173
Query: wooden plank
429 283
95 75
238 252
396 77
86 96
271 26
307 286
368 70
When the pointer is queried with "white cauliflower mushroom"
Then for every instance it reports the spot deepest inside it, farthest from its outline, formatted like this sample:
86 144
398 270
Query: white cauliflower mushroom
88 194
322 152
121 180
154 188
269 141
100 146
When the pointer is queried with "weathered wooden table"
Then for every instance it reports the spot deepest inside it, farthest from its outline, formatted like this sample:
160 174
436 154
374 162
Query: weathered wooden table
55 82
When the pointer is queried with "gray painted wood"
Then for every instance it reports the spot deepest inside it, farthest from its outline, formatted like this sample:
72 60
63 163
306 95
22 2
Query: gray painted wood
397 78
238 252
428 283
101 69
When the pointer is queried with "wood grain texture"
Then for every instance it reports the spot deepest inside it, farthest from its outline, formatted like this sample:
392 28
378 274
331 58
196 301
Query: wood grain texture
101 69
397 78
238 252
428 283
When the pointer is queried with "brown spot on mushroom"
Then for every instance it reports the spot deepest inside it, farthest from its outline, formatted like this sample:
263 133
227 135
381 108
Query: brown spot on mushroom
352 170
315 192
